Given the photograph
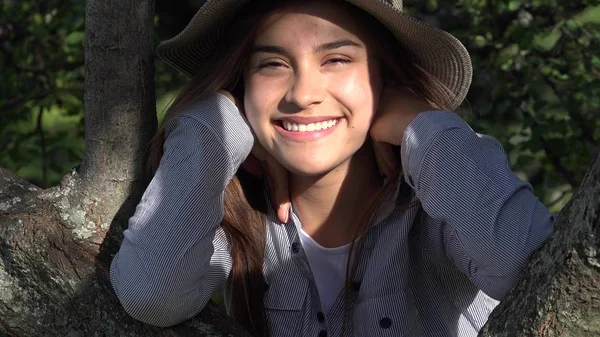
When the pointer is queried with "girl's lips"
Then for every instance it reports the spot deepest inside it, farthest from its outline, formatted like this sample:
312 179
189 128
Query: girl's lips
305 136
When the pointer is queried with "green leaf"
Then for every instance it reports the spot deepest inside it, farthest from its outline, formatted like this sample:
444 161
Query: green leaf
75 38
514 5
590 15
548 40
506 56
480 41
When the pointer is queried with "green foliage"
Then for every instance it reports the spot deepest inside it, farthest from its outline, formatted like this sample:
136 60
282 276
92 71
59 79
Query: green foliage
41 93
536 82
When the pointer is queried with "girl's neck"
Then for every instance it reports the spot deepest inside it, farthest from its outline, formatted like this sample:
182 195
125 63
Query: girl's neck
331 206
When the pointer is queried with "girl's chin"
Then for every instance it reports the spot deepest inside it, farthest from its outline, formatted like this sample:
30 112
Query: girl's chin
308 170
309 173
315 163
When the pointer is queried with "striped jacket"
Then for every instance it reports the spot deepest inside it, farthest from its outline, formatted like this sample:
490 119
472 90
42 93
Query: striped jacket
436 269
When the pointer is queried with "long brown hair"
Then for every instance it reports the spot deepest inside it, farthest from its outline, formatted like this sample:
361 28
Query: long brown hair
245 203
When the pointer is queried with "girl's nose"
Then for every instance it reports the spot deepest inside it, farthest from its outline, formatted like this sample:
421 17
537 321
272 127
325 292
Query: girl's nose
307 89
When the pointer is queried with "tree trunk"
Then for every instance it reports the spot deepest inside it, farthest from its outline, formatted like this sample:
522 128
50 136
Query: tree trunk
559 290
56 244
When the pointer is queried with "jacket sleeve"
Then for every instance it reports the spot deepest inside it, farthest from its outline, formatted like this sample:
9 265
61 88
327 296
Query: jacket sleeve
174 255
490 221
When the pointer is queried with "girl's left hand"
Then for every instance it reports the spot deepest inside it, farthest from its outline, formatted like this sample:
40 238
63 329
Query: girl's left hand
398 106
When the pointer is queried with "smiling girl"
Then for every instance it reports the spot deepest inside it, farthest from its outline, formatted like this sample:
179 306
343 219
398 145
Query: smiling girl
313 169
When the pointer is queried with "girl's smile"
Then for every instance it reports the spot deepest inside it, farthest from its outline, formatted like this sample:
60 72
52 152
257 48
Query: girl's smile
305 129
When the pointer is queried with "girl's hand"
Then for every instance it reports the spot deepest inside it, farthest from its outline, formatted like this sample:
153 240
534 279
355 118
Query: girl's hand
259 163
398 106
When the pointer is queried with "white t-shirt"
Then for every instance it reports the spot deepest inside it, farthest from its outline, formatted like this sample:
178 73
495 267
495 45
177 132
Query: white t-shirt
328 266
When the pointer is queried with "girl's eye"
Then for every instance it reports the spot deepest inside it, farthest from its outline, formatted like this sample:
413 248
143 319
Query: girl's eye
338 61
271 65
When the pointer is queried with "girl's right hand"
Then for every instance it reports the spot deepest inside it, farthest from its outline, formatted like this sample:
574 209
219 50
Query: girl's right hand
259 163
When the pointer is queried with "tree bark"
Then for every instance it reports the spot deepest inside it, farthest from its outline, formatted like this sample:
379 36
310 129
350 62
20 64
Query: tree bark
559 290
53 282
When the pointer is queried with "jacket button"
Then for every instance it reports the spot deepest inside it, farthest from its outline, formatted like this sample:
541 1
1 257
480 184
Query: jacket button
295 247
385 323
320 317
323 333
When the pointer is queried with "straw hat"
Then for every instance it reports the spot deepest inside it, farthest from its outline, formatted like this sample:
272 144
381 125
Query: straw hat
436 51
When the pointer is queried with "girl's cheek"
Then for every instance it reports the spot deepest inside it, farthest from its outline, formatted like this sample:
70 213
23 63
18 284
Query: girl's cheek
252 118
354 85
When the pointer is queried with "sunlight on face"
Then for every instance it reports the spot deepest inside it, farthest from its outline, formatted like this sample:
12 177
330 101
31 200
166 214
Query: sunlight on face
311 87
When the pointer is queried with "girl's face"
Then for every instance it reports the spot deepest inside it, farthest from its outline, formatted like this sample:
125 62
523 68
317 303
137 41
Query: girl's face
311 87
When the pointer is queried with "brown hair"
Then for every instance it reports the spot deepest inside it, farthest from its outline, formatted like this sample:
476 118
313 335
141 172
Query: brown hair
245 203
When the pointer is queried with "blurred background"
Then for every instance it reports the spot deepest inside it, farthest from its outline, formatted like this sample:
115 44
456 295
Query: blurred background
536 83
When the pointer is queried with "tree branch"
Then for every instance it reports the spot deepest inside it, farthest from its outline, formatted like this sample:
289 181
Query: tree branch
120 111
14 101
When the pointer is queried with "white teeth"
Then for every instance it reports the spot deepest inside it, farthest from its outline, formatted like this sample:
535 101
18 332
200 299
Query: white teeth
309 127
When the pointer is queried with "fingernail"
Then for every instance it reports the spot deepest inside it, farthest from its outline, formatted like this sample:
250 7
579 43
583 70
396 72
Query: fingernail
286 210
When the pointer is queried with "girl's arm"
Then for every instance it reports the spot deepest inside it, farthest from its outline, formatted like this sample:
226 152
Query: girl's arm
174 255
491 220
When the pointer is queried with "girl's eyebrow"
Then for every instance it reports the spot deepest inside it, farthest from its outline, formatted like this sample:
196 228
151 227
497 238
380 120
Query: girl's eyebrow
269 49
337 44
318 49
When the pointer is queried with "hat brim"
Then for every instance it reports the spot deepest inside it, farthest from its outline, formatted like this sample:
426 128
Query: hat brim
436 51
